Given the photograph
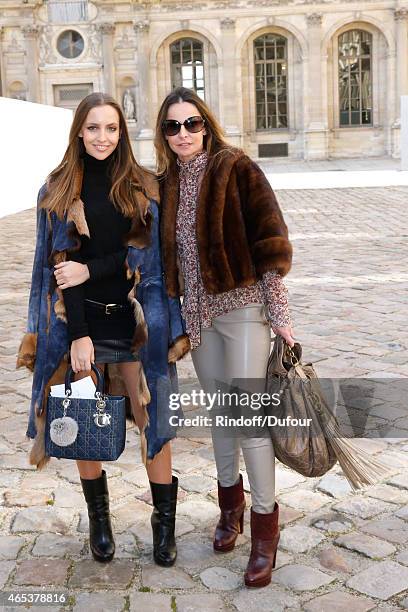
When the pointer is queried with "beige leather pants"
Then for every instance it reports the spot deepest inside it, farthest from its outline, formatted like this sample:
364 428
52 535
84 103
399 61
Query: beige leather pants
237 346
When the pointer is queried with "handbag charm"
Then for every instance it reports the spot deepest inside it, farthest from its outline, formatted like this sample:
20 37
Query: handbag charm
64 431
101 418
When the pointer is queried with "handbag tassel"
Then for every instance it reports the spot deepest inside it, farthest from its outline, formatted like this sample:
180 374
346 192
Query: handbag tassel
358 466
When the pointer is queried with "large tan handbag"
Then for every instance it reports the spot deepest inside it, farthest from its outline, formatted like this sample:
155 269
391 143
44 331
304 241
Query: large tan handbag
310 447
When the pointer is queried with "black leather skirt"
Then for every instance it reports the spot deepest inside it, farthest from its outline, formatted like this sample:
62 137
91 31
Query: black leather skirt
114 351
118 321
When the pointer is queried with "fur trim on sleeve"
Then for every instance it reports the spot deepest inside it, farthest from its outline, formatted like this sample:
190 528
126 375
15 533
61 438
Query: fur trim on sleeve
37 454
179 348
266 229
139 235
59 307
150 184
141 332
27 351
169 199
76 215
273 254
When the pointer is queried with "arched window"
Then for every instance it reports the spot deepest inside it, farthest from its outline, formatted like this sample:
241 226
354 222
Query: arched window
271 92
187 65
355 96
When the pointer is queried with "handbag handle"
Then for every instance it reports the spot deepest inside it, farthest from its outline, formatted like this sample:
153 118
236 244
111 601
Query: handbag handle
100 383
283 357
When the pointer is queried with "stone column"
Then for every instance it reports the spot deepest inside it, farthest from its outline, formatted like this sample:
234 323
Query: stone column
107 30
30 33
316 115
145 153
397 85
401 25
2 89
231 99
404 133
142 34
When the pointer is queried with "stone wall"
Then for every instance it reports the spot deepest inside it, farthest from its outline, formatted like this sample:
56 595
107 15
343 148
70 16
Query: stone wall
126 48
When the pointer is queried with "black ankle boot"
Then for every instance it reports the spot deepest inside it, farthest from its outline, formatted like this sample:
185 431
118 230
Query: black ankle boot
101 540
163 522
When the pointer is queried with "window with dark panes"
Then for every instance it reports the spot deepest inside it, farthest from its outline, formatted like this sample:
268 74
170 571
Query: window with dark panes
271 78
187 65
355 88
70 44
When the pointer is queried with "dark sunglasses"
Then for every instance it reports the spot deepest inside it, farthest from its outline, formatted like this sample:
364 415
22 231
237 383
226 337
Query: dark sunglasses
171 127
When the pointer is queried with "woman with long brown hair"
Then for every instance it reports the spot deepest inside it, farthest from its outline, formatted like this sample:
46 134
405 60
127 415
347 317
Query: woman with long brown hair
222 229
97 292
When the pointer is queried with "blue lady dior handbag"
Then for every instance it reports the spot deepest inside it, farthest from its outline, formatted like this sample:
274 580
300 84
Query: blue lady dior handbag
87 429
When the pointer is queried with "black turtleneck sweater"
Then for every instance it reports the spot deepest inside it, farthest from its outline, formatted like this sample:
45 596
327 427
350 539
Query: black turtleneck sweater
105 255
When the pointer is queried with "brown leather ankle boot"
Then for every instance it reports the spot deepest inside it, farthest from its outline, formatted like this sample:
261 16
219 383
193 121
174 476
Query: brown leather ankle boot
265 538
232 505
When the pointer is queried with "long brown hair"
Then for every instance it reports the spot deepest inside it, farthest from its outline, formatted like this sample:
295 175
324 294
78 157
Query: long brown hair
214 140
126 173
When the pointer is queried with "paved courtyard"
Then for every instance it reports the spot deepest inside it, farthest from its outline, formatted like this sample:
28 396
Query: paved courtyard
339 550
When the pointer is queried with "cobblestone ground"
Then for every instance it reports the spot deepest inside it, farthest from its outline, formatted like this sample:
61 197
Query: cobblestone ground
339 551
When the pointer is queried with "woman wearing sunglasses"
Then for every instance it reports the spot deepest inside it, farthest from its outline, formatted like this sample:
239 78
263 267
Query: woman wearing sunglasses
222 229
97 289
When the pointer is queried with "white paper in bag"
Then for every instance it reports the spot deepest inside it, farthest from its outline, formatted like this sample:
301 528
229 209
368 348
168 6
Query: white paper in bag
84 389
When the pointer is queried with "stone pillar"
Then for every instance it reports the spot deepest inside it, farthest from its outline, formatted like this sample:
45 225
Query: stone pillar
143 105
398 80
2 92
231 99
404 133
316 128
401 25
142 34
391 119
30 33
107 30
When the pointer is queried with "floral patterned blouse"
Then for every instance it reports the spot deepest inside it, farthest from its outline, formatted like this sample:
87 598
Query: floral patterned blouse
200 307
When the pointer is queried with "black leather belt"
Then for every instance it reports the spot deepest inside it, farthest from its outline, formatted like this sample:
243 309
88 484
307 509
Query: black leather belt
107 309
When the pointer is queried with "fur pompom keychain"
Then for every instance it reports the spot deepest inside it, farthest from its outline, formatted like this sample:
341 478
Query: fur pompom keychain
64 431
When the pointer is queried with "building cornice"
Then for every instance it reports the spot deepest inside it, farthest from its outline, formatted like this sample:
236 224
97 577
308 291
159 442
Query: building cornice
172 6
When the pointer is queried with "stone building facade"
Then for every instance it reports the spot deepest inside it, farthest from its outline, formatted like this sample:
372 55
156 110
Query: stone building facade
301 79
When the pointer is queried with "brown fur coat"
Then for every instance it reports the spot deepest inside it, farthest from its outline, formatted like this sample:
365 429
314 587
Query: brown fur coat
241 233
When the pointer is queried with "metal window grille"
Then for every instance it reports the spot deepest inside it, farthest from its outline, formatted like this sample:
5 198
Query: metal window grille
275 149
355 78
69 96
187 65
61 11
271 74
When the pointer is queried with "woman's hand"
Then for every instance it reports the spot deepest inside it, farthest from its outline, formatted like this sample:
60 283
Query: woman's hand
82 354
286 333
70 274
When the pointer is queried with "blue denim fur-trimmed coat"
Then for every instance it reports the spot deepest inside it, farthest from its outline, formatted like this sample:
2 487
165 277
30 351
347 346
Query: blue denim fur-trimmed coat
160 332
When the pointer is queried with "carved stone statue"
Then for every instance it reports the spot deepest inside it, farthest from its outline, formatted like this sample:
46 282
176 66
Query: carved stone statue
21 95
45 49
95 44
128 105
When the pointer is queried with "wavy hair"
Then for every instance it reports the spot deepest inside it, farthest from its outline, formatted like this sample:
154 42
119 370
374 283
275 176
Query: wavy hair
214 140
126 174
